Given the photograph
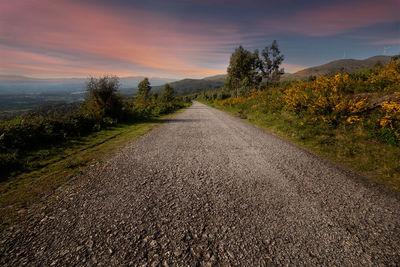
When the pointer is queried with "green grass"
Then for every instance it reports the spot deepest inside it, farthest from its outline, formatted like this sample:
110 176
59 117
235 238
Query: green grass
351 146
55 166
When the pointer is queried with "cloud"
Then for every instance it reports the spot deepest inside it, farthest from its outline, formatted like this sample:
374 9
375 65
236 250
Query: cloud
338 17
387 42
91 33
70 37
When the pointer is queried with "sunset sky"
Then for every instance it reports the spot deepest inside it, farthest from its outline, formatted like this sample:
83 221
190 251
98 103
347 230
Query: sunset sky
186 38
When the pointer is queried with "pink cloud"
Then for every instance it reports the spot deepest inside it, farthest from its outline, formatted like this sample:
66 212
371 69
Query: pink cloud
34 64
142 38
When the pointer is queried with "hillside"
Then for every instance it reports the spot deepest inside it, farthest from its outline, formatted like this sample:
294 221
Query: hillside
188 86
342 65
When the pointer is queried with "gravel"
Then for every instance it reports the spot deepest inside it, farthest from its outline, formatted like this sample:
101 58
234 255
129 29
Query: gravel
210 189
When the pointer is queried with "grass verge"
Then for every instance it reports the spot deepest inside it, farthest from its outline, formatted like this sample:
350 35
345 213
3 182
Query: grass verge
350 146
56 165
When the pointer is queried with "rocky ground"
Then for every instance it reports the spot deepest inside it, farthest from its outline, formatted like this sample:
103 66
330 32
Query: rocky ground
209 189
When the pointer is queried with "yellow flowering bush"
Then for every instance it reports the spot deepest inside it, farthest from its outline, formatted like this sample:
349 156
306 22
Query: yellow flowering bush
257 100
389 79
325 99
232 101
391 119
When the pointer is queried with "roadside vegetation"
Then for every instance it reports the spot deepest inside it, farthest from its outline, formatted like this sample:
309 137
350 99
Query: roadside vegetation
351 118
42 150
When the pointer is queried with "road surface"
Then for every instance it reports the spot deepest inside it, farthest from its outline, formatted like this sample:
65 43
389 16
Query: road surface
209 189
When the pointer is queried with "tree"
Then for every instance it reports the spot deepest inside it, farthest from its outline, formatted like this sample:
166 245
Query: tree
395 57
102 98
271 61
168 93
143 93
243 65
154 96
245 86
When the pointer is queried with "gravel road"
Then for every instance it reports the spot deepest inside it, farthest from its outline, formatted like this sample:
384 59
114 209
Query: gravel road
209 189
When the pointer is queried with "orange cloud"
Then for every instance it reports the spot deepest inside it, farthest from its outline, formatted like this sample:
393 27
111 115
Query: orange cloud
93 33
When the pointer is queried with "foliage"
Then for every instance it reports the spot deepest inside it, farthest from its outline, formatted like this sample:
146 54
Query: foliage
168 94
103 99
272 59
387 80
243 71
154 96
143 93
391 117
325 99
246 70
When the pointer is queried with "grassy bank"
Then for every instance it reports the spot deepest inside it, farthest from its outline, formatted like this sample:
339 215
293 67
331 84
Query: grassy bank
348 145
56 165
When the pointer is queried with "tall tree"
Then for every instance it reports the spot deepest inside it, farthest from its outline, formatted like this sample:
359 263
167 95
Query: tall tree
271 61
143 93
243 64
168 93
154 96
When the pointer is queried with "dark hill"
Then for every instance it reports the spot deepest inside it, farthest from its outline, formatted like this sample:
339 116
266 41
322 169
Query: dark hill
188 86
342 65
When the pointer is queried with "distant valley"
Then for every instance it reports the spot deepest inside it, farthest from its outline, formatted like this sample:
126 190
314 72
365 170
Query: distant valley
26 85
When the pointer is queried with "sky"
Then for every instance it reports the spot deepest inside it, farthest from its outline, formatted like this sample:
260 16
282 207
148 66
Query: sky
186 38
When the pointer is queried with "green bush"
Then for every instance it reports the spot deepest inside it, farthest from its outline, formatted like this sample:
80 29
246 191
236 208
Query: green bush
8 164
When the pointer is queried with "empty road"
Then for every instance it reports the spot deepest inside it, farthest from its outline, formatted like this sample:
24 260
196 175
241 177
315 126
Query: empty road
209 189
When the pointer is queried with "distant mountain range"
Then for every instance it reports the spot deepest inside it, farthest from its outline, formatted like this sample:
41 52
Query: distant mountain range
342 65
26 85
12 84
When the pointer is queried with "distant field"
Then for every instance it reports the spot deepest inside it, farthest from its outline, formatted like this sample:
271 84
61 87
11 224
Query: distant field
16 104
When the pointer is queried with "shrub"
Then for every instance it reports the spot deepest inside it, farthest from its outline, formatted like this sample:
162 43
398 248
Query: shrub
387 80
103 99
391 118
